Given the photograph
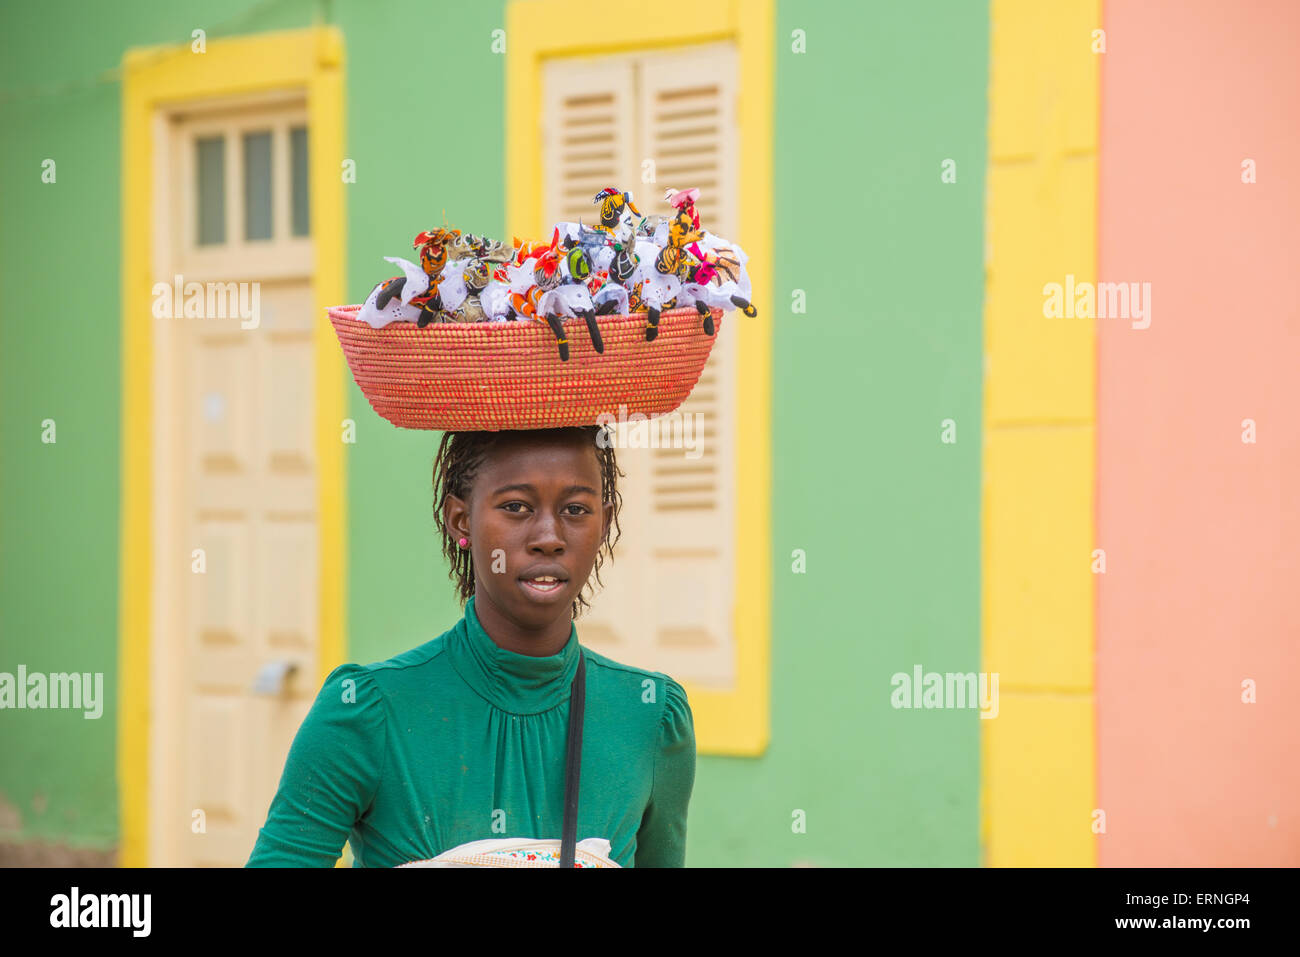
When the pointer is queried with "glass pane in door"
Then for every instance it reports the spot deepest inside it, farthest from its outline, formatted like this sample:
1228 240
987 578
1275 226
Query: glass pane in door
211 189
257 185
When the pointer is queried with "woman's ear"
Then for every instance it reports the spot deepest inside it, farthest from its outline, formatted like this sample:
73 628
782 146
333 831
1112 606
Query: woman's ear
606 518
455 516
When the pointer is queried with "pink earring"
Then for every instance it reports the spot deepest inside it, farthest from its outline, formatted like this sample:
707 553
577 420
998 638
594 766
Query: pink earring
464 542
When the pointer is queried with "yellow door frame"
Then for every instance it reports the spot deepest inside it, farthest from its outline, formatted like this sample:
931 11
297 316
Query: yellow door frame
1038 791
152 79
735 721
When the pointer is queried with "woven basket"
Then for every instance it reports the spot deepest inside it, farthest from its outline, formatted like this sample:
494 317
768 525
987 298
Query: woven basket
489 376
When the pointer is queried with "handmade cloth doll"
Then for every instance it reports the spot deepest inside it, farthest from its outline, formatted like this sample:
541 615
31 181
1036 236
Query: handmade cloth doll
562 275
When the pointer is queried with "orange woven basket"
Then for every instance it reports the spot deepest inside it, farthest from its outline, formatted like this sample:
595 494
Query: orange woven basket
489 376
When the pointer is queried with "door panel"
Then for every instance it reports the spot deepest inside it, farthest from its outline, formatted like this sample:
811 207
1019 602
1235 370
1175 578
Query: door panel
235 449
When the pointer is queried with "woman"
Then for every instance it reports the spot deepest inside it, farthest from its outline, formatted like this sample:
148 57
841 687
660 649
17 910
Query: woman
464 738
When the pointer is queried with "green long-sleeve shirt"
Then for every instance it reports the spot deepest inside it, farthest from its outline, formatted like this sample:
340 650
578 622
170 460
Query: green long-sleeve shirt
460 740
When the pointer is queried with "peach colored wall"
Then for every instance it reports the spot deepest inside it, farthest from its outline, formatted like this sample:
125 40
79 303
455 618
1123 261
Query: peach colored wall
1201 531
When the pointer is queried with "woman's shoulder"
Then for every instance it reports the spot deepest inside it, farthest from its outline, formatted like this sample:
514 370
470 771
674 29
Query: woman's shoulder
412 664
618 671
416 657
632 689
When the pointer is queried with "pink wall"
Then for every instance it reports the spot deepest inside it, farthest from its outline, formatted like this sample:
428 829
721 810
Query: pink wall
1201 531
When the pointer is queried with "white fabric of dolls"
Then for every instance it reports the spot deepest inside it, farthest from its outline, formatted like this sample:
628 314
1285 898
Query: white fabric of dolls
452 289
495 300
657 288
720 289
397 310
567 299
611 290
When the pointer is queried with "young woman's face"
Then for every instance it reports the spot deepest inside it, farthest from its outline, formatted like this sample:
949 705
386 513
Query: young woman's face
534 512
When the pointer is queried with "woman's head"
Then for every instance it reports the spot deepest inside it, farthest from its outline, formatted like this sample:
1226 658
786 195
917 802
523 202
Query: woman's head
530 503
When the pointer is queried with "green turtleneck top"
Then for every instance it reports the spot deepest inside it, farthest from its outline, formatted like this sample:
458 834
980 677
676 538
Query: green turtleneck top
460 740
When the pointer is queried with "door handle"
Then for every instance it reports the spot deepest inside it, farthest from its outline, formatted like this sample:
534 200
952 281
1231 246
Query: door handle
273 676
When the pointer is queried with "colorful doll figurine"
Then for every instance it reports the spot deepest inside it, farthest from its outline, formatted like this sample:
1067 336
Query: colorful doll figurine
712 270
657 288
389 301
683 200
684 224
464 285
495 297
521 285
470 246
682 254
695 290
462 281
617 279
562 276
616 213
672 264
477 276
615 256
725 274
615 208
433 245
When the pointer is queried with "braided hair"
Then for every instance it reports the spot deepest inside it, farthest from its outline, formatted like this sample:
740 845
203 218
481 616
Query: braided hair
460 456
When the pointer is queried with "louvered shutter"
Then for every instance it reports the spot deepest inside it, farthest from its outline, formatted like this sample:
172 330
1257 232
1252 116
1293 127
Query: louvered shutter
668 597
587 136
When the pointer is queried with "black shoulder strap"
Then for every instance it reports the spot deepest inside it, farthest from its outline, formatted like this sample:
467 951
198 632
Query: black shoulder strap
573 763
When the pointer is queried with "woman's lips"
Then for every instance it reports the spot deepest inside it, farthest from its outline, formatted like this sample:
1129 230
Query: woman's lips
542 590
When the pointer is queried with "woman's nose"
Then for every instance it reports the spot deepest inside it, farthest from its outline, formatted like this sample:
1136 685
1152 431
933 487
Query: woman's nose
545 533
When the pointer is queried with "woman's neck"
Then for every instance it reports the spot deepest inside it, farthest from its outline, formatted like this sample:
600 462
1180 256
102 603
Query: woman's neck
548 640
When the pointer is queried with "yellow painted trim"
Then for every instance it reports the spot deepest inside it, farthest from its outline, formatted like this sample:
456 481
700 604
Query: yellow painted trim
1038 756
726 722
152 78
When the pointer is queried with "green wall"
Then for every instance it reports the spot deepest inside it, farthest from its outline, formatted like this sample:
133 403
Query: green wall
60 358
890 259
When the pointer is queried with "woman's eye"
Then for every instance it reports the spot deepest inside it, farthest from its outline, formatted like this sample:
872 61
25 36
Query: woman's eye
582 509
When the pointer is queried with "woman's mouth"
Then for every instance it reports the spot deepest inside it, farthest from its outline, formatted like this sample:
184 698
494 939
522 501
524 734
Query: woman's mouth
546 587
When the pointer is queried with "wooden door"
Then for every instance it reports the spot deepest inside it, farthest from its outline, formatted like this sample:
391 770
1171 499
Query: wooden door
235 578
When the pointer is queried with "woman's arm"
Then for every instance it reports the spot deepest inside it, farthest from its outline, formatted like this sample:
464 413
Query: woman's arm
661 839
330 776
